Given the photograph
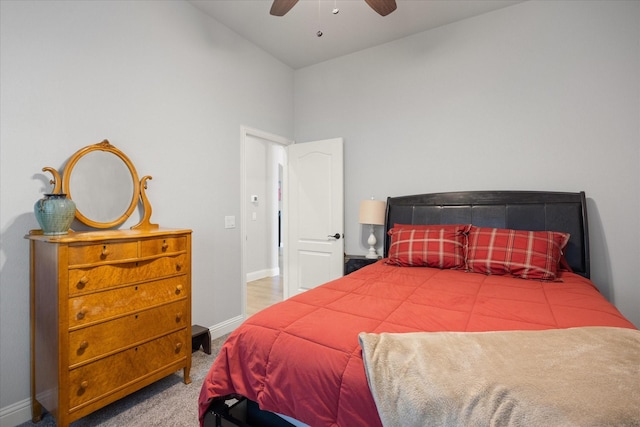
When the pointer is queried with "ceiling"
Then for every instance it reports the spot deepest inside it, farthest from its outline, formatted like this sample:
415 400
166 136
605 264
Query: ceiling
293 38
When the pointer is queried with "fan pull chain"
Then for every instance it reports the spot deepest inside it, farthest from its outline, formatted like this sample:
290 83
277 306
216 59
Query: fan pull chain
319 33
335 11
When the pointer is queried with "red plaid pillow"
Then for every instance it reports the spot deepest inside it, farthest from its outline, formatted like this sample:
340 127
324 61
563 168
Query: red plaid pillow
525 254
440 246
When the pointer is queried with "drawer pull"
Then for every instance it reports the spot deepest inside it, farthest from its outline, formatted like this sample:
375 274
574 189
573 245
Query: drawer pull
178 346
84 345
84 385
82 282
178 316
83 312
179 266
165 245
178 289
105 251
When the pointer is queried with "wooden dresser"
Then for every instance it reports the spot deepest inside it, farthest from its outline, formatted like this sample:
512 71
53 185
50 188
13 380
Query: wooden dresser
110 314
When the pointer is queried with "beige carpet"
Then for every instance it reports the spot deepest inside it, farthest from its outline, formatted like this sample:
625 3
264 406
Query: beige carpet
168 402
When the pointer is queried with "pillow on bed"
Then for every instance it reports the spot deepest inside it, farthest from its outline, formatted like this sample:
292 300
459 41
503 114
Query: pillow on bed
439 246
564 264
524 254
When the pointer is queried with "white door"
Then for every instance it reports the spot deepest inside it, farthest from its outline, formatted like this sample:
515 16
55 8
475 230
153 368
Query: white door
315 189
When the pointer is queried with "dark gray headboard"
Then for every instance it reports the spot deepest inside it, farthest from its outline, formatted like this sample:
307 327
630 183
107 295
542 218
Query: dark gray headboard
520 210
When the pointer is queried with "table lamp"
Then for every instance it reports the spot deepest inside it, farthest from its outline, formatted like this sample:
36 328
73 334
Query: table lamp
372 213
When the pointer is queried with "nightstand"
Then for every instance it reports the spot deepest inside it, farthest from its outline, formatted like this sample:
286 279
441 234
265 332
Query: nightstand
356 262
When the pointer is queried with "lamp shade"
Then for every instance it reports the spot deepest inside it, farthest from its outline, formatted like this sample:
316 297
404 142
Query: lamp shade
372 212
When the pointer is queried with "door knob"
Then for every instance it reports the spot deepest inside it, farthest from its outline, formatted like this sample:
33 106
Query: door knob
335 236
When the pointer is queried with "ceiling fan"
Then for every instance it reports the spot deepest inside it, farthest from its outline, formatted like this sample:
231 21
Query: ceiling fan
383 7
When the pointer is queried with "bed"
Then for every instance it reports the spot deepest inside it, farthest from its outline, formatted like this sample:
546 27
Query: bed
475 284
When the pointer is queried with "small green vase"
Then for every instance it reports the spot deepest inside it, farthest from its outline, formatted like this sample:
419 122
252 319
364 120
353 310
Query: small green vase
54 213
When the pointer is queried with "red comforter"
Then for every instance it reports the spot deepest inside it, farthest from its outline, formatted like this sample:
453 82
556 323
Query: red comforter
301 357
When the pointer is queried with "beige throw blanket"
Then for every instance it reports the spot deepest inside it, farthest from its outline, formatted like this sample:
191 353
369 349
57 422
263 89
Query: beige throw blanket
587 376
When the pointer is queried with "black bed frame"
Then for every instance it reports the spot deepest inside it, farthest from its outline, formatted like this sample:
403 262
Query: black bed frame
520 210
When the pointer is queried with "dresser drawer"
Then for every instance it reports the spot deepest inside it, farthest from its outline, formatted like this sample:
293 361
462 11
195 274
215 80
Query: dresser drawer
97 379
108 275
104 338
165 245
98 306
102 252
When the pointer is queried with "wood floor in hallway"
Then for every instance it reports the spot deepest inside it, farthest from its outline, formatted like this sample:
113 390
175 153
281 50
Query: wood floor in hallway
262 293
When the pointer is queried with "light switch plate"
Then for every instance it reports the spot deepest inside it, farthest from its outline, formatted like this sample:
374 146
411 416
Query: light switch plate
230 221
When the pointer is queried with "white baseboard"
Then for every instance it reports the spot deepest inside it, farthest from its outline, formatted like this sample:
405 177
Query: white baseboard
225 327
16 413
261 274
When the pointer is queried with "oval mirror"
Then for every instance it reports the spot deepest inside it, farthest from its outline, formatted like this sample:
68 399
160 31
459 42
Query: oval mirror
103 183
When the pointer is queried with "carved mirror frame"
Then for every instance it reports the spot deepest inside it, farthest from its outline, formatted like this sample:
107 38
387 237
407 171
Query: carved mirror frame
100 194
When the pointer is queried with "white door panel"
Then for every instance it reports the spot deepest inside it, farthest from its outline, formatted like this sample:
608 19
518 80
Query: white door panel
317 267
316 203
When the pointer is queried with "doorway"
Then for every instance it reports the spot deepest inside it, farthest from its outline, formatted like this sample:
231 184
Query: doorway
263 159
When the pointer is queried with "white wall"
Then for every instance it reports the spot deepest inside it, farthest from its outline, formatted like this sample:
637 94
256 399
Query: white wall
165 84
537 96
257 229
262 159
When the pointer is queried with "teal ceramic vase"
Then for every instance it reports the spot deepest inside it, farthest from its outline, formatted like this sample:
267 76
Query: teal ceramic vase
54 213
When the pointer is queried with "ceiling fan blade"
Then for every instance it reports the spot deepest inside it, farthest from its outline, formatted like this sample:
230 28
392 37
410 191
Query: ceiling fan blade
383 7
281 7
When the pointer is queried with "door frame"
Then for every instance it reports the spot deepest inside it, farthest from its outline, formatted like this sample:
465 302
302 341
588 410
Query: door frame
246 132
